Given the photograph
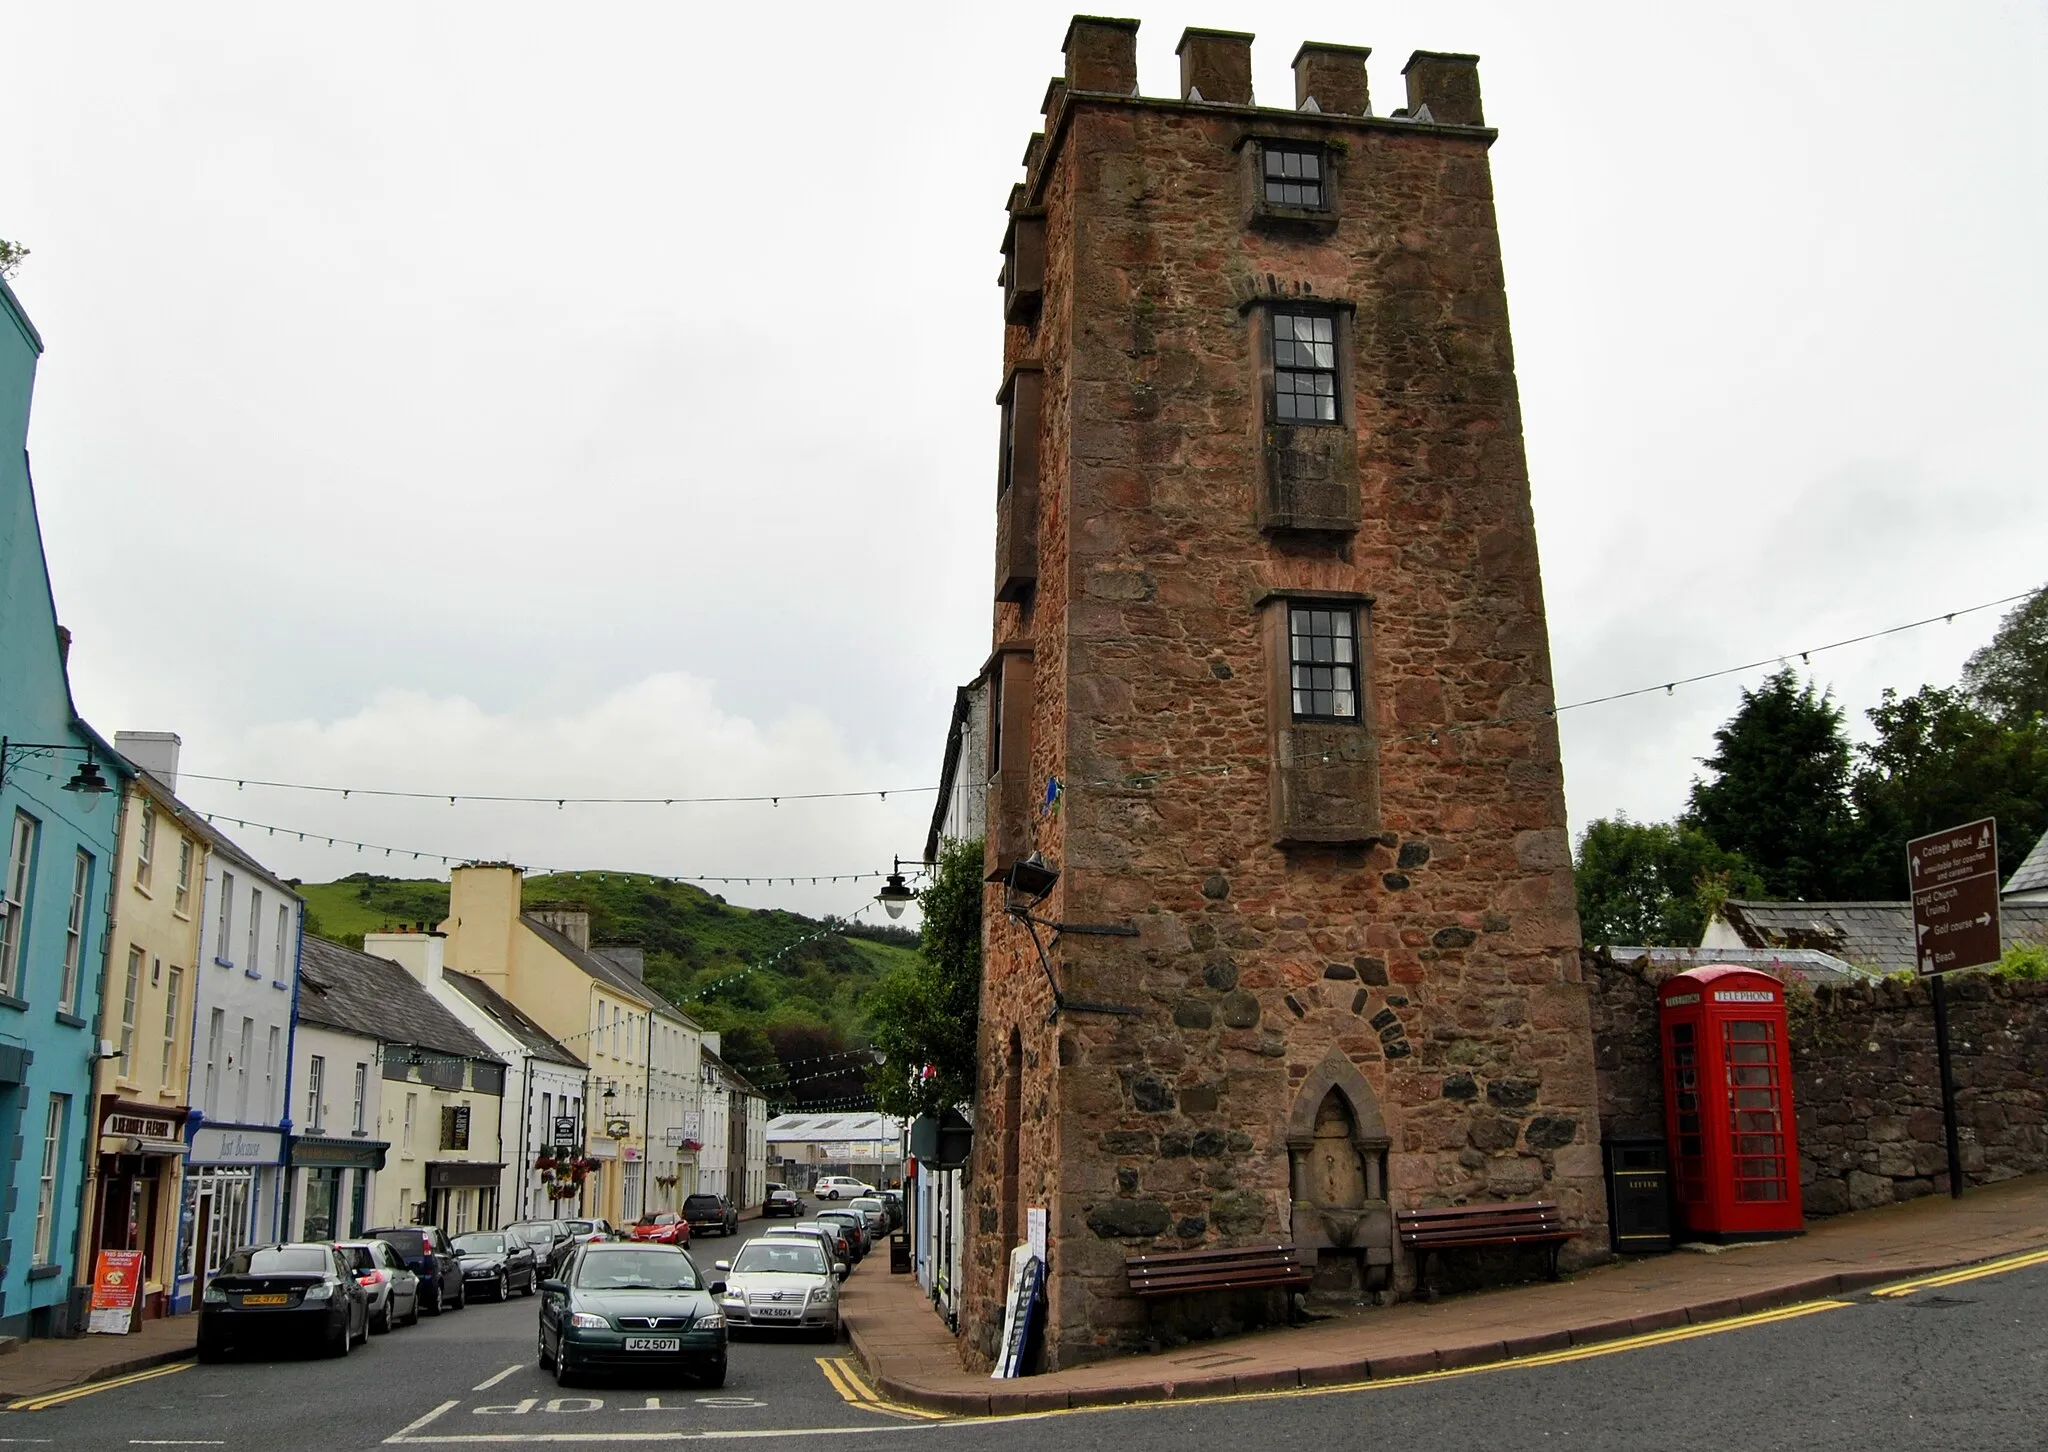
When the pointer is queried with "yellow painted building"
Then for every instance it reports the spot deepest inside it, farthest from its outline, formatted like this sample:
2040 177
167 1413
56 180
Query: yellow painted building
644 1055
140 1093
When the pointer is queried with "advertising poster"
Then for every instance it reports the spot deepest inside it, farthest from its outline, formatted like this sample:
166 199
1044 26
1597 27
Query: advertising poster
116 1279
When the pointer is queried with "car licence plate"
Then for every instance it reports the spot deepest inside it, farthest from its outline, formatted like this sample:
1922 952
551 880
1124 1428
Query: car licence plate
769 1312
265 1300
654 1343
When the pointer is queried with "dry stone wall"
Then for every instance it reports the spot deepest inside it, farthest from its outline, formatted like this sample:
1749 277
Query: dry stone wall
1866 1080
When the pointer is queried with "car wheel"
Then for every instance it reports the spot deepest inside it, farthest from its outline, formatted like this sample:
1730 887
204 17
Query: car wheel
340 1345
412 1317
504 1292
563 1376
461 1295
381 1325
211 1352
713 1378
547 1361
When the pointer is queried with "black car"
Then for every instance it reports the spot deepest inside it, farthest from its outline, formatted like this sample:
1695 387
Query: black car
498 1263
425 1249
782 1201
552 1241
267 1293
711 1214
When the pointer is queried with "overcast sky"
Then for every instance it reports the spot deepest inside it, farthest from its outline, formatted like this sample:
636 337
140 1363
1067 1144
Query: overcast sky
597 400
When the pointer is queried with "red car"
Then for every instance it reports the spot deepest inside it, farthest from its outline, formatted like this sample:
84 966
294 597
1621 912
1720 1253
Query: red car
663 1227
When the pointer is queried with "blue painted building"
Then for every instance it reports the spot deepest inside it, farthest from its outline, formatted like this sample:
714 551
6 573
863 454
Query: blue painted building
58 856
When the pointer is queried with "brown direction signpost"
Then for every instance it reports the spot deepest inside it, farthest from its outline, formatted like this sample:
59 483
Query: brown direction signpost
1954 878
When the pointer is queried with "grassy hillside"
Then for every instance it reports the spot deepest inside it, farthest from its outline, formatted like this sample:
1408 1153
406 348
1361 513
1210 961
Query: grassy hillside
784 992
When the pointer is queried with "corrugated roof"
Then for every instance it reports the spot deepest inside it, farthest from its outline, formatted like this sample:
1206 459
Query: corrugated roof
1787 965
2032 874
505 1013
359 993
1875 935
842 1127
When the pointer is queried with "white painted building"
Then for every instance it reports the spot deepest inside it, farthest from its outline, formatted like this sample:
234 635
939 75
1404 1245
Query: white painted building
734 1161
244 989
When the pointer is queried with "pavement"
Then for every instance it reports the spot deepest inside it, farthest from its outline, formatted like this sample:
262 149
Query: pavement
912 1360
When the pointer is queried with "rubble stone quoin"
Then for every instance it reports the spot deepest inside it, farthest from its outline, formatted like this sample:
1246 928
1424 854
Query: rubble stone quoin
1355 982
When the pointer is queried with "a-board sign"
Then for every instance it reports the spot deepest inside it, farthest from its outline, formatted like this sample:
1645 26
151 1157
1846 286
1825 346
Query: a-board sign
117 1278
1954 880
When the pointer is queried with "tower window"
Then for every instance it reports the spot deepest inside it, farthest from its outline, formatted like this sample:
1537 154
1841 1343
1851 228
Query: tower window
1323 663
1293 177
1304 367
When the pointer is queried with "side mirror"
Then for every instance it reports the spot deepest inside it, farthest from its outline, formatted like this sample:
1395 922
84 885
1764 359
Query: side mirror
717 1288
724 1265
840 1269
554 1288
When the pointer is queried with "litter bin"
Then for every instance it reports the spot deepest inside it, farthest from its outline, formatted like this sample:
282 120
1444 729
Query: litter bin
1638 1196
899 1253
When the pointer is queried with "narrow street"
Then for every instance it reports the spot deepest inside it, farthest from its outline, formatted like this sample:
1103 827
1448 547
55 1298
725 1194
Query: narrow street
1963 1366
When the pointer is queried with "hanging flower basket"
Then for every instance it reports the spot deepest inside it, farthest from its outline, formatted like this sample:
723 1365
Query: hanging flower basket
544 1162
692 1146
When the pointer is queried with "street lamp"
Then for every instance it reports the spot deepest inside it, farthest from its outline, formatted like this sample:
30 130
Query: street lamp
87 781
895 895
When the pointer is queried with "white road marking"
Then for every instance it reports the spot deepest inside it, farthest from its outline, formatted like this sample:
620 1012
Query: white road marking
418 1422
487 1385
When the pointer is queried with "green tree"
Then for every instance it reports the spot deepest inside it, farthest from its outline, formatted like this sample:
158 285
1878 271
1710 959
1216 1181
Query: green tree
1779 792
926 1017
11 254
2009 677
1654 884
1939 758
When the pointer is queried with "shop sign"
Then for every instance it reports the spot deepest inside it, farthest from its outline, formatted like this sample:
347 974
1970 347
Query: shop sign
141 1126
618 1128
693 1124
674 1136
565 1129
115 1280
223 1145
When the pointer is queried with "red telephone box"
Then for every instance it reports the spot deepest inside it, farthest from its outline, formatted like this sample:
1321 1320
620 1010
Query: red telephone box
1728 1103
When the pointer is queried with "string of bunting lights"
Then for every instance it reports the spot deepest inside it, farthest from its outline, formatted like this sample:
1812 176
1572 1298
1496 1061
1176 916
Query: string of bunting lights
1668 687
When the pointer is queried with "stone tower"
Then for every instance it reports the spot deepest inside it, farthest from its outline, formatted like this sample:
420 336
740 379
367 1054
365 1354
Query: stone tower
1271 686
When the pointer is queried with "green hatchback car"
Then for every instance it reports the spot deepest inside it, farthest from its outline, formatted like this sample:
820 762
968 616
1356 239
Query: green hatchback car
634 1308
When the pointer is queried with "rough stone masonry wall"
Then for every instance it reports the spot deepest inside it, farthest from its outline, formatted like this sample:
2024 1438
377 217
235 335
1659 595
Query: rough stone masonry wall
1441 960
1866 1086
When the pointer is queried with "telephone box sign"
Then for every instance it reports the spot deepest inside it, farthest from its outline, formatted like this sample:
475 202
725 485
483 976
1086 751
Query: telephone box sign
1743 995
1954 877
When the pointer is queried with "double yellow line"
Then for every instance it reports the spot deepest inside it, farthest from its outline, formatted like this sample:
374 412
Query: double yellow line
1967 1273
853 1387
57 1399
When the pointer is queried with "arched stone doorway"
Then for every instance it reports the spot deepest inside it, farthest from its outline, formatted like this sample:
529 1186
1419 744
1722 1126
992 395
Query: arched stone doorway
1337 1145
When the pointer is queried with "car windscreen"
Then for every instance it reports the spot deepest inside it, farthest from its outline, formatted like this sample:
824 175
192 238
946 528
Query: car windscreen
580 1227
411 1243
703 1205
841 1217
279 1260
481 1243
780 1255
636 1270
867 1202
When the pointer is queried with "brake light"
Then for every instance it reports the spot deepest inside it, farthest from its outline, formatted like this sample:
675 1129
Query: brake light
370 1278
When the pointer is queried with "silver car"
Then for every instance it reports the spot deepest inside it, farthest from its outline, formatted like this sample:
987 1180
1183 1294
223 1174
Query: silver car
393 1288
781 1283
878 1216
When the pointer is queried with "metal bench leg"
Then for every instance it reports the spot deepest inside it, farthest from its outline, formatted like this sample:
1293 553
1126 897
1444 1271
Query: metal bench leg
1422 1281
1554 1249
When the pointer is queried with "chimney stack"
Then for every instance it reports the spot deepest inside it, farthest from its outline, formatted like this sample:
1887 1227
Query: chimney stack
1216 66
156 752
628 958
571 923
421 954
1331 79
1447 84
1102 55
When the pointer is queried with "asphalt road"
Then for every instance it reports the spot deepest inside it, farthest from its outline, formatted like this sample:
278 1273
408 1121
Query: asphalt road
1964 1367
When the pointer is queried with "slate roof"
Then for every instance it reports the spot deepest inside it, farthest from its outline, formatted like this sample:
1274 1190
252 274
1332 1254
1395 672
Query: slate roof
738 1082
599 967
1875 935
2032 874
191 819
859 1125
359 993
506 1015
1787 965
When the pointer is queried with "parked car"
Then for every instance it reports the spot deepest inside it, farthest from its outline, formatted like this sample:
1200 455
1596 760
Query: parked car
829 1239
550 1239
638 1307
711 1214
842 1187
782 1282
592 1231
856 1227
660 1227
499 1263
265 1293
425 1249
840 1236
781 1200
877 1213
392 1287
894 1200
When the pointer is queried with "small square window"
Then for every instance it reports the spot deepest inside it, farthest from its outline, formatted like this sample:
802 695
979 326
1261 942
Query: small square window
1304 367
1293 177
1323 663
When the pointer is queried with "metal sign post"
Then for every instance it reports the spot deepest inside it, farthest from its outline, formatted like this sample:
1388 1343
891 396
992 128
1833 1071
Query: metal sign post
1954 879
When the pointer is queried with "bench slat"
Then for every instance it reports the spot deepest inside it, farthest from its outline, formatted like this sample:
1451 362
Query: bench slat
1235 1268
1190 1257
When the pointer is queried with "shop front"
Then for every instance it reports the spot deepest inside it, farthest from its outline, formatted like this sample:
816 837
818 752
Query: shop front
135 1206
329 1189
462 1195
230 1200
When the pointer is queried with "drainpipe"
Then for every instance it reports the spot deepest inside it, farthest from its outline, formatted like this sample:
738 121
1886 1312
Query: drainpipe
291 1043
88 1140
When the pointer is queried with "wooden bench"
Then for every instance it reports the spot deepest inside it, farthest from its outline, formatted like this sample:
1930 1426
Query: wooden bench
1243 1268
1469 1227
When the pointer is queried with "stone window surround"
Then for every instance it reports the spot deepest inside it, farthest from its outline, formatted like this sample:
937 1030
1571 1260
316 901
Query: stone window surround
1325 778
1279 216
1259 311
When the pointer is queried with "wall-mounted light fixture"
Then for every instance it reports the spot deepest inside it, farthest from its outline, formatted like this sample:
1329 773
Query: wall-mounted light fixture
87 781
1029 882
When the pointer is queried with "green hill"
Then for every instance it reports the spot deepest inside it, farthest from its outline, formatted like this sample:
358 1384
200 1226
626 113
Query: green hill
785 991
